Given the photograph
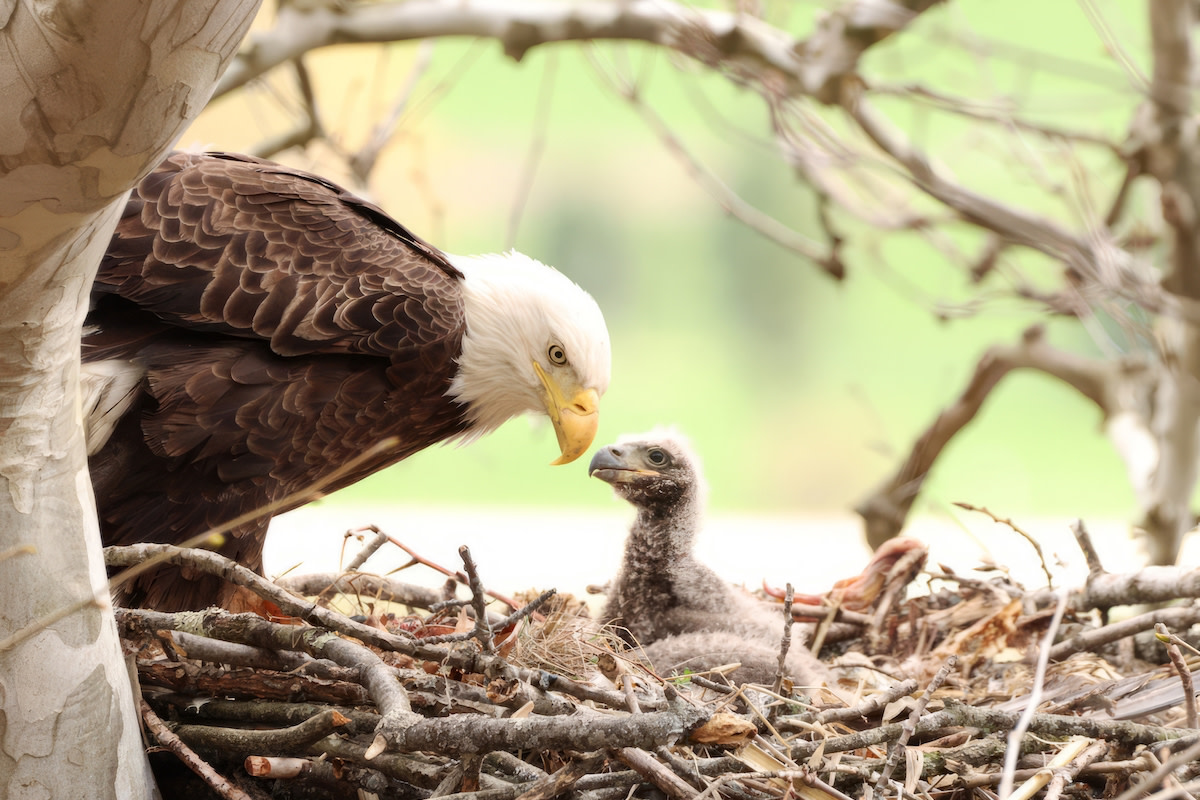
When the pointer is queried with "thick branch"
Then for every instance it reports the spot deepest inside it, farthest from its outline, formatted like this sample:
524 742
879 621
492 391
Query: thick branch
885 510
216 564
377 677
295 739
373 587
163 734
519 27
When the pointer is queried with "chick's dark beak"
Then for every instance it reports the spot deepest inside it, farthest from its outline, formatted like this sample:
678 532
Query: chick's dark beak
607 465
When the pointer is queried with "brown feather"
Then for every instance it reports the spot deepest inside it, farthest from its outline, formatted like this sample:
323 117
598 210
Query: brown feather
284 326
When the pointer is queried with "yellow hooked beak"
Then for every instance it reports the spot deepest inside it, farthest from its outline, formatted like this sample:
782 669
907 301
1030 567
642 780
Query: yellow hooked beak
575 417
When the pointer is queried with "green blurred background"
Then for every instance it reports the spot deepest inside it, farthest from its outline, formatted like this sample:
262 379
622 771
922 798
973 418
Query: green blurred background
801 393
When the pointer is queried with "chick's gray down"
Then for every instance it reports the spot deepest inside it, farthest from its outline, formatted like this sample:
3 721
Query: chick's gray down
682 614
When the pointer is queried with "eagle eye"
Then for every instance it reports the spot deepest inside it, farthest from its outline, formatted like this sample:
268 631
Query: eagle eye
657 457
557 354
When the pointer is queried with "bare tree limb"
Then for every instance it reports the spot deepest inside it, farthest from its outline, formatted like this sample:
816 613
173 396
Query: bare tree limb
163 734
378 678
1014 224
1173 148
245 742
885 510
518 27
365 585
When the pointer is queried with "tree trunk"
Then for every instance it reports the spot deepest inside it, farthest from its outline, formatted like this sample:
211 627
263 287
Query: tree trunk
1174 160
96 92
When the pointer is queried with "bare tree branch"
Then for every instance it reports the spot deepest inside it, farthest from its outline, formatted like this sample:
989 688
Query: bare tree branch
886 509
518 27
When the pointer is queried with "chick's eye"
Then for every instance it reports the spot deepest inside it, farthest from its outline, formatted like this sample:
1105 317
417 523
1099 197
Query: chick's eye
557 354
656 457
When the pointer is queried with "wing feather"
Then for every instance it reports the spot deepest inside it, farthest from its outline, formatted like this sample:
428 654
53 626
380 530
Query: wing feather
239 245
275 326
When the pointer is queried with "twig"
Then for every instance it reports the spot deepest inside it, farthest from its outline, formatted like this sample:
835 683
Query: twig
368 549
203 648
550 682
1066 774
711 685
470 733
363 162
363 585
561 781
217 782
537 148
377 677
417 558
1090 556
885 510
785 644
1012 525
1190 753
1035 697
276 766
910 724
303 134
470 763
323 773
631 701
1176 617
733 204
525 611
645 765
1147 585
871 705
1061 759
483 629
969 107
1181 668
249 742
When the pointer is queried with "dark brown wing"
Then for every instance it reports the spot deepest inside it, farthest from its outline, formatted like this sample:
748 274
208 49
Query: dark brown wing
281 326
238 245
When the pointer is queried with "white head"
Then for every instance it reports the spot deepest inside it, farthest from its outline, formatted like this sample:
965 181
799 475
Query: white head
535 341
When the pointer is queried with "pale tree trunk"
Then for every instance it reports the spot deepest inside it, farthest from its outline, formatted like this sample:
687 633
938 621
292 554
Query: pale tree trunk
1173 151
95 93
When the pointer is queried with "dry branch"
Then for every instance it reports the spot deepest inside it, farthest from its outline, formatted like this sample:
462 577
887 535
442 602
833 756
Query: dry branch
295 739
467 733
364 585
884 512
165 737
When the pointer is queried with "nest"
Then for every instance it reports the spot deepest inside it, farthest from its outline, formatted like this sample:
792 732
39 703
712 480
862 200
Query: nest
971 686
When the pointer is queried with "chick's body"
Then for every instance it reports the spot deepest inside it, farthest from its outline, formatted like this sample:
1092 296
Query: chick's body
676 608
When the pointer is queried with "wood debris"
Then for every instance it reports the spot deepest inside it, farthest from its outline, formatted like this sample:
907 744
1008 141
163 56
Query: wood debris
970 687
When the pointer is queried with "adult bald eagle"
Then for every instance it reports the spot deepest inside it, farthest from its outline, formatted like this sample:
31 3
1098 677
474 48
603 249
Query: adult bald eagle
254 327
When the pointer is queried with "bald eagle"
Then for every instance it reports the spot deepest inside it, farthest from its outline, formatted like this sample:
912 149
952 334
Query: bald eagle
253 328
664 599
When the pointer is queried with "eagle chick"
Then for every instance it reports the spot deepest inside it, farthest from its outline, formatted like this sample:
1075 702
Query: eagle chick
679 610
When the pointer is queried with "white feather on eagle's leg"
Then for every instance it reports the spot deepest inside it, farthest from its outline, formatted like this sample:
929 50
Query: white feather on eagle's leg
253 328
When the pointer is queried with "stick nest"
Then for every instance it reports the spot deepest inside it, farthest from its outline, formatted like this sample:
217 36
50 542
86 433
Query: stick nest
362 686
